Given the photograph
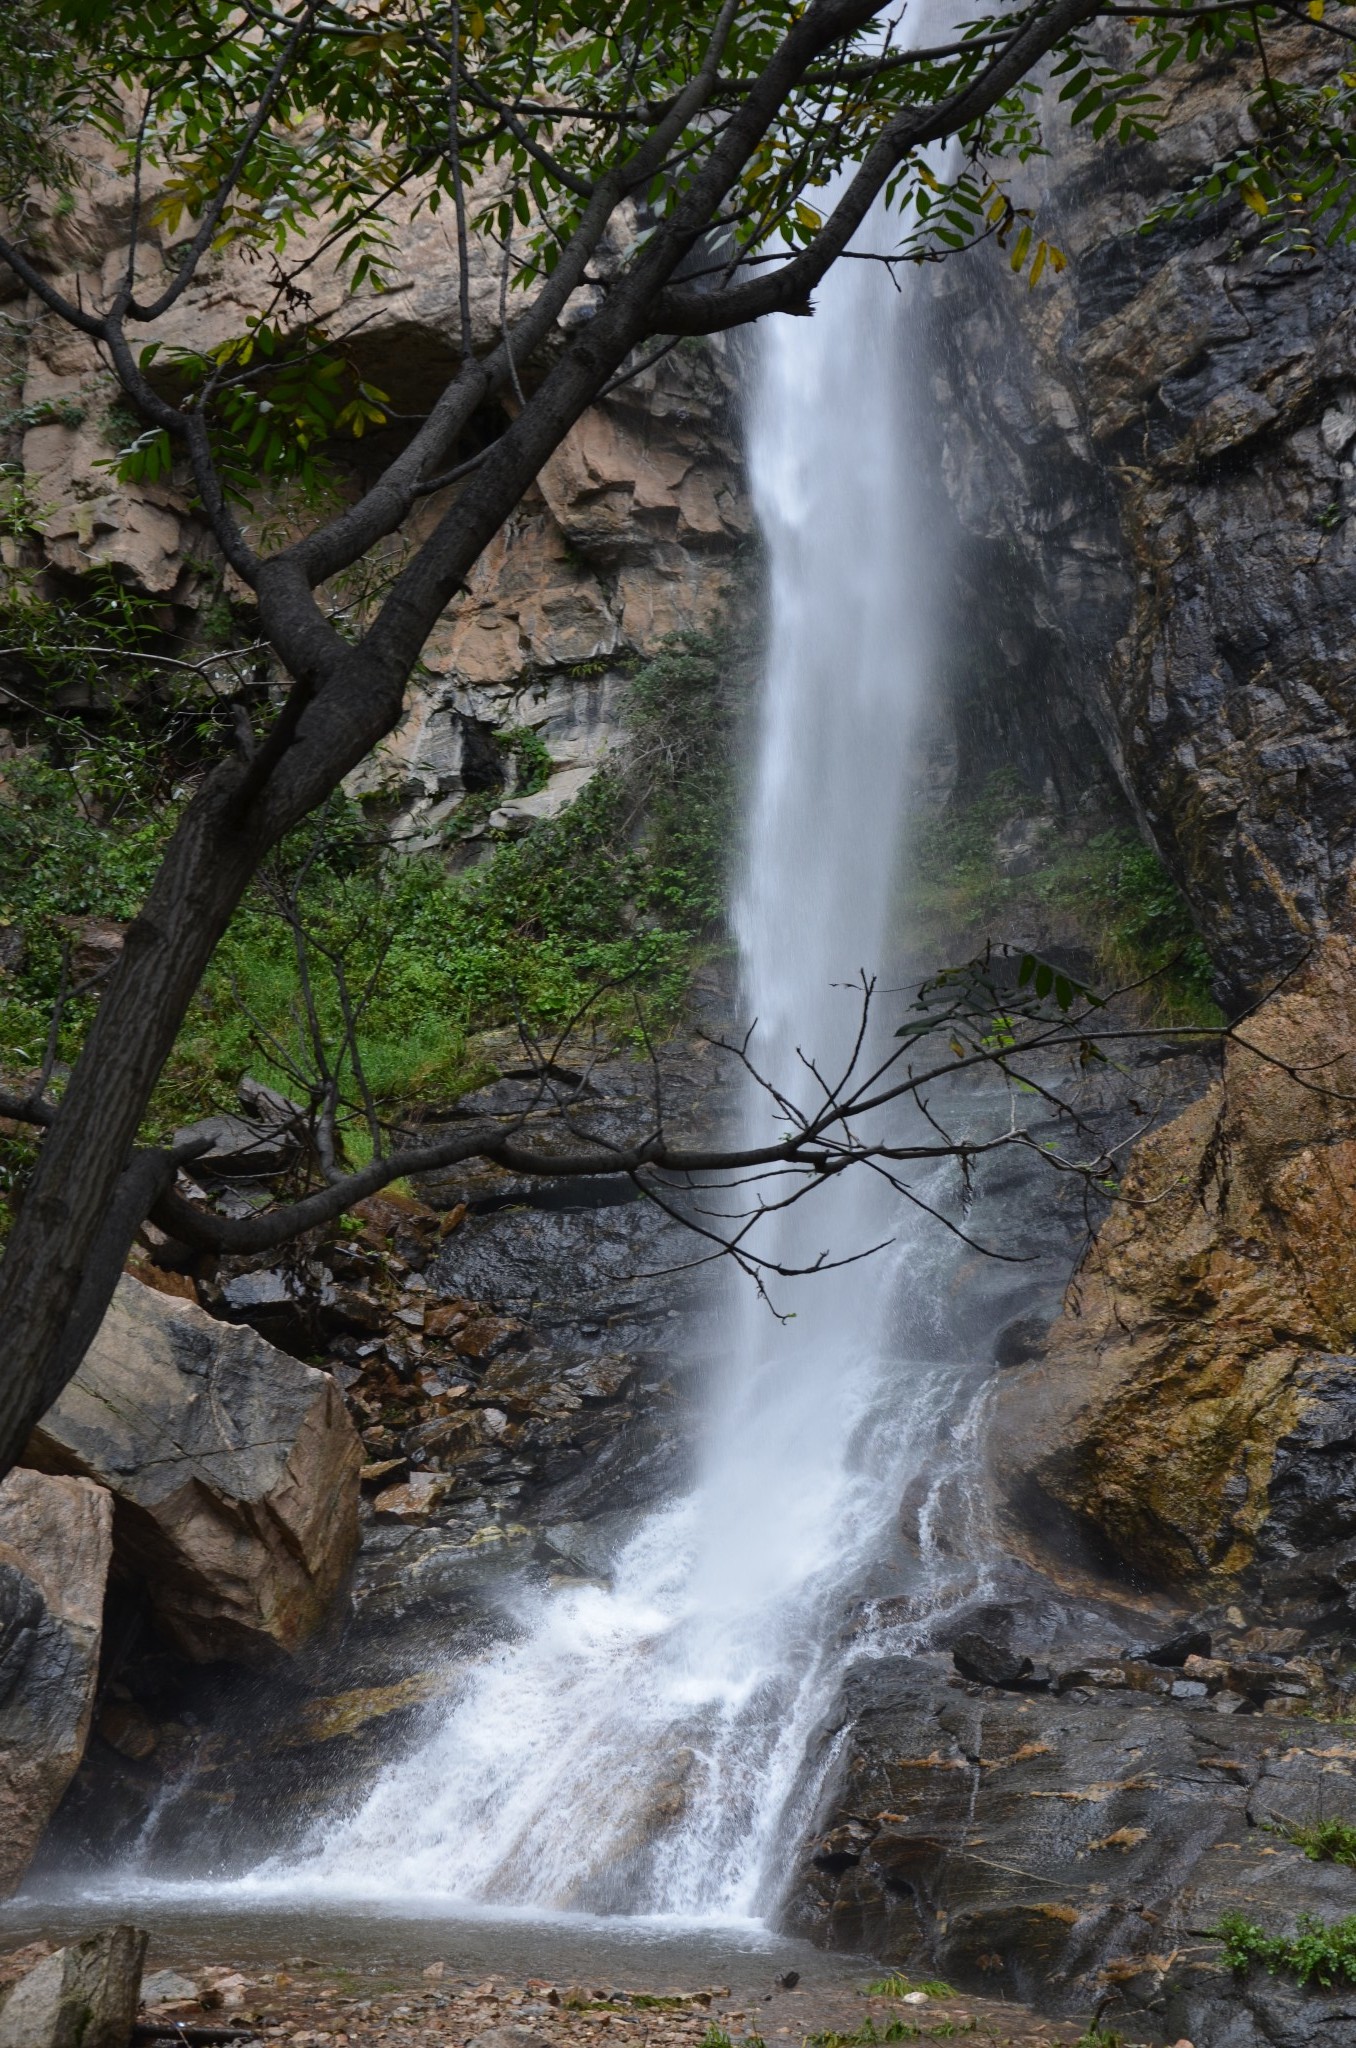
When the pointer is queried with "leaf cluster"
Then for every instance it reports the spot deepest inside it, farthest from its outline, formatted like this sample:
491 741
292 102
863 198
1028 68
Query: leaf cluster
278 399
1296 171
1324 1841
1318 1952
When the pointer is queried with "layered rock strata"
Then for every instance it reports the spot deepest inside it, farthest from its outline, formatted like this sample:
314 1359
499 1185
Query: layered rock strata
1195 1408
1081 1849
629 536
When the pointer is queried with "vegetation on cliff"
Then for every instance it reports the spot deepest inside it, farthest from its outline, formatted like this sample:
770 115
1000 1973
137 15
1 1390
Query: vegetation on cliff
1092 886
603 910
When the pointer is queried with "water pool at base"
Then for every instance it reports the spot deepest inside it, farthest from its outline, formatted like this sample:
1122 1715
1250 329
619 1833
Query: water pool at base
377 1938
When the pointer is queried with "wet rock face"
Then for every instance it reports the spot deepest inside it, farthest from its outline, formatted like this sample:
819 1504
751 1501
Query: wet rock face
235 1470
1079 1849
56 1539
1196 1408
1157 454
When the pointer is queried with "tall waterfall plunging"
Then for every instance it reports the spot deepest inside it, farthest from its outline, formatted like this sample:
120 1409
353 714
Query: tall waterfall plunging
649 1746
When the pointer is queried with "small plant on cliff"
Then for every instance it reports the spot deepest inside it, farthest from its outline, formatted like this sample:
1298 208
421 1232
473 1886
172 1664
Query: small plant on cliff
1323 1841
1109 892
1318 1952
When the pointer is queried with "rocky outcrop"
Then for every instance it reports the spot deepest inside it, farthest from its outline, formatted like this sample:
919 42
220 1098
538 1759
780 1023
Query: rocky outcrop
55 1543
84 1996
1196 1405
629 535
1080 1849
234 1469
1150 466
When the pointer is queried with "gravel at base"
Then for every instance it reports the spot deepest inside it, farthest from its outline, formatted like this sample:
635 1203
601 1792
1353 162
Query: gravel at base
308 2006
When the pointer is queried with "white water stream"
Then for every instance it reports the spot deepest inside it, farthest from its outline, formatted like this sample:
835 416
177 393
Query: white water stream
642 1748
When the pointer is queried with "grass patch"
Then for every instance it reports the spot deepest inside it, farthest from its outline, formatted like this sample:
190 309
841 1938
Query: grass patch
897 1986
1098 2036
1318 1952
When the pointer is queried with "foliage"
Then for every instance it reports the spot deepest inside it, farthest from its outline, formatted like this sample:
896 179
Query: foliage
1318 1952
280 399
896 1986
616 895
1323 1841
39 107
1110 890
1297 170
531 758
1098 2036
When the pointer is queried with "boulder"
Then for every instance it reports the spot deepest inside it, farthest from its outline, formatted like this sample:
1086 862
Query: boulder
1196 1405
56 1539
83 1996
234 1467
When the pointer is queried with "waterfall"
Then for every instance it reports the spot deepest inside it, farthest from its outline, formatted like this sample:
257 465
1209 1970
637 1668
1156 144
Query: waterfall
642 1747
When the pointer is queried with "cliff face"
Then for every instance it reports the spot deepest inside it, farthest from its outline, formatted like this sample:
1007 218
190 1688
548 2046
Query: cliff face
1154 457
628 537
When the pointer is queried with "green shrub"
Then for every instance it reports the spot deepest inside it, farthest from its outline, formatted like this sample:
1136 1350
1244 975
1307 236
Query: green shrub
1110 889
605 908
1323 1841
1318 1952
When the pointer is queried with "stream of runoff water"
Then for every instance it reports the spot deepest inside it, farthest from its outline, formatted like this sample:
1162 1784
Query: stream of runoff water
653 1747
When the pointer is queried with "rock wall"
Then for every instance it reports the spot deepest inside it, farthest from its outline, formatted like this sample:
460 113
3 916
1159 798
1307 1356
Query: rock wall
1149 461
1196 1405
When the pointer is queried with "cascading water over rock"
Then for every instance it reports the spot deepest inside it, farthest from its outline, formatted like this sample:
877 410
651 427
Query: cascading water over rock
642 1748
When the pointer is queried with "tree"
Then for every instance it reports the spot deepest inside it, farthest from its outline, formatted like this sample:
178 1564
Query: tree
697 137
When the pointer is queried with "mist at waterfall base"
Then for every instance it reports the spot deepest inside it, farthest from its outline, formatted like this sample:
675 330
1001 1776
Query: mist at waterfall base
654 1747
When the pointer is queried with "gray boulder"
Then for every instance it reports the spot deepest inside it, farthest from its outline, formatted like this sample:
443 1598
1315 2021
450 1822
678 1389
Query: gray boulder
56 1539
84 1996
235 1468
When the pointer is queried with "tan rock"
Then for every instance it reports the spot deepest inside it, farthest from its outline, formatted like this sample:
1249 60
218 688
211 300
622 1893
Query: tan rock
235 1468
83 1996
1192 1405
56 1540
423 1493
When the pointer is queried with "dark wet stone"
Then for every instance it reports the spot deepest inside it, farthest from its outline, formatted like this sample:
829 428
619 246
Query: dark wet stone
1188 1642
986 1661
1057 1849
